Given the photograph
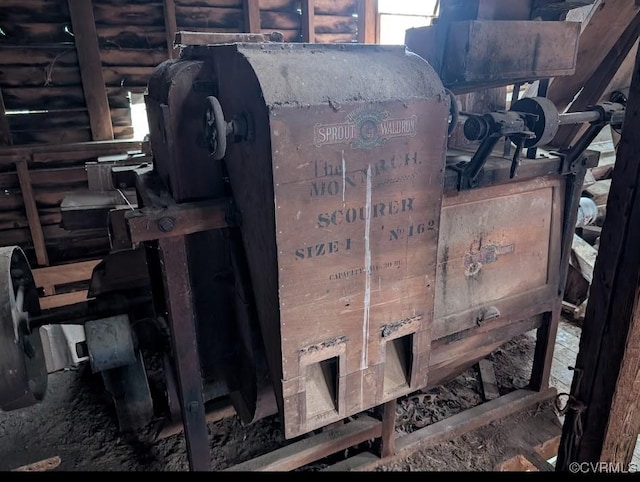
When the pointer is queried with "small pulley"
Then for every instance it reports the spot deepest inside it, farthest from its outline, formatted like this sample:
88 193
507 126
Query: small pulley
217 130
23 372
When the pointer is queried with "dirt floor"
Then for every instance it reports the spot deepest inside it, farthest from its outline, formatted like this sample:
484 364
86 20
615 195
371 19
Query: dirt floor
77 423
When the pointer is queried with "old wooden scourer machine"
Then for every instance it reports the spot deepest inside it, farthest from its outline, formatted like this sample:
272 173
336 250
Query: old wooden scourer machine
305 229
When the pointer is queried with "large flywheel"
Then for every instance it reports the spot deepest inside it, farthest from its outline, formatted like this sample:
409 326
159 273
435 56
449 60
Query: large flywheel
23 373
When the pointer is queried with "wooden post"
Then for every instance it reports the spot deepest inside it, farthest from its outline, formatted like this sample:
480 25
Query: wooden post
603 419
95 92
367 21
388 438
32 213
252 22
5 131
308 21
170 26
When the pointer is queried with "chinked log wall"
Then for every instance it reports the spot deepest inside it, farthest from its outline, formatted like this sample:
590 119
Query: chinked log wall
55 92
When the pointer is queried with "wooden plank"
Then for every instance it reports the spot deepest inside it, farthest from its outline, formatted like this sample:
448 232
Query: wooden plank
64 299
331 7
32 33
335 24
75 151
18 219
367 21
182 219
170 25
32 214
129 14
464 422
280 20
95 94
210 17
488 378
49 120
609 21
133 57
35 11
64 273
59 136
308 21
30 76
251 10
585 257
75 118
314 448
5 130
353 463
43 56
133 37
330 38
598 83
604 421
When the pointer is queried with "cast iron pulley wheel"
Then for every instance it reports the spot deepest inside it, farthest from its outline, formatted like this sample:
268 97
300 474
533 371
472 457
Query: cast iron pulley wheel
23 373
215 128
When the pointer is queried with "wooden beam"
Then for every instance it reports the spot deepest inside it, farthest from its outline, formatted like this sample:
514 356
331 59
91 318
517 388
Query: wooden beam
603 417
64 273
5 131
95 92
308 21
32 213
597 85
67 152
607 24
367 21
388 438
64 299
252 20
311 449
170 26
462 423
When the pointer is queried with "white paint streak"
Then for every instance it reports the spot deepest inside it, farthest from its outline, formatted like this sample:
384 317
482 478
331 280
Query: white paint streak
367 270
344 178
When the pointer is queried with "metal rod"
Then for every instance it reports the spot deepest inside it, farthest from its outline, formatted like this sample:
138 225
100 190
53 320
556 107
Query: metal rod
80 313
579 117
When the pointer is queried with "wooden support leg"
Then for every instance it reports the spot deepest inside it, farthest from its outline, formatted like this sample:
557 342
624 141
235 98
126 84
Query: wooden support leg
186 359
32 213
388 429
546 335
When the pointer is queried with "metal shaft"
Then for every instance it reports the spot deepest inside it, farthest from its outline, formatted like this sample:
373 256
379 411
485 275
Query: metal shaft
579 117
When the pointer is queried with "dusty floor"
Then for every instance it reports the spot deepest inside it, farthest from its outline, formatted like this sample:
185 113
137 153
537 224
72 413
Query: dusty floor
77 423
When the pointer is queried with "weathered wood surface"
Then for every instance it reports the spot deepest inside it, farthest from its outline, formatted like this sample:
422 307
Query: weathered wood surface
308 21
170 25
95 94
600 82
543 49
251 16
607 24
311 449
35 226
481 241
602 423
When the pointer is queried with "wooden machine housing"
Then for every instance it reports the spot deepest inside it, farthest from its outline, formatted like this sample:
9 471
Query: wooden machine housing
463 272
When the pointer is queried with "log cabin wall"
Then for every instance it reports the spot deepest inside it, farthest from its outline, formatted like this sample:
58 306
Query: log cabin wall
67 71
